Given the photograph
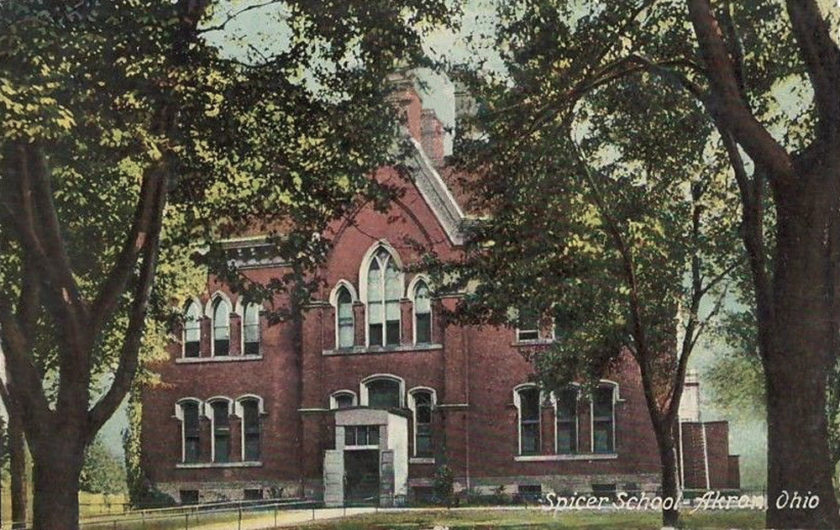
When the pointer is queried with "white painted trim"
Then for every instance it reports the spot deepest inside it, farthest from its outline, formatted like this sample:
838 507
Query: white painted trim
334 293
553 458
421 460
429 182
518 404
363 390
369 255
412 405
206 465
334 395
222 359
179 414
603 383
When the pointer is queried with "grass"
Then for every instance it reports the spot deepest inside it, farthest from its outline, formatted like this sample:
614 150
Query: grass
530 519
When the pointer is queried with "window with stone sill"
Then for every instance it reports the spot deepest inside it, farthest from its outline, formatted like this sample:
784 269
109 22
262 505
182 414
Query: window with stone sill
529 421
221 327
221 431
192 330
251 330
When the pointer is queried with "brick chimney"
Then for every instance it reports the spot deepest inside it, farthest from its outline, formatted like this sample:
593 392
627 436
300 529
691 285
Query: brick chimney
432 136
409 103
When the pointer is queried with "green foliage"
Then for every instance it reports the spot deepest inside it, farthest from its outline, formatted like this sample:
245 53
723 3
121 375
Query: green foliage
103 472
444 485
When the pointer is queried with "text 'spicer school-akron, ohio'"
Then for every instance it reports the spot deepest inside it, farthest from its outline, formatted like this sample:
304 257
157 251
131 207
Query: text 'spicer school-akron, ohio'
366 396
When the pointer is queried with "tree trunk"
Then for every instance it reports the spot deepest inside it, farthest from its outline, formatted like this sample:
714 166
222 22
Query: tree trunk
802 349
670 486
57 466
17 471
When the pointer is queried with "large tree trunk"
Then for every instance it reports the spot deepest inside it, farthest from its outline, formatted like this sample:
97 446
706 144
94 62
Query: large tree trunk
17 471
56 471
801 350
670 485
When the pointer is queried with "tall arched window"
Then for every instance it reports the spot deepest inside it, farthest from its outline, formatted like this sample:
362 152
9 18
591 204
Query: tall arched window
251 330
221 431
422 401
192 330
528 403
250 430
567 420
603 419
422 314
384 290
344 319
190 431
221 327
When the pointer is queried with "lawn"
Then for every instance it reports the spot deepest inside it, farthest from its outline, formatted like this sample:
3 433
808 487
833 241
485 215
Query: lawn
521 519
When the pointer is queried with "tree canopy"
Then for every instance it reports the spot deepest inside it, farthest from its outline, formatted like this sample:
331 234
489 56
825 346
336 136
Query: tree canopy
131 145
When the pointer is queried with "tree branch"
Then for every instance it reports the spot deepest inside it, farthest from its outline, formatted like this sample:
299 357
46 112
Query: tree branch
130 352
725 103
821 56
231 15
110 291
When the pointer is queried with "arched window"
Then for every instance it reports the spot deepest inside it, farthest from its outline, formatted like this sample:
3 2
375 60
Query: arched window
567 420
422 314
250 430
251 330
603 419
188 411
221 327
382 392
221 430
528 404
343 399
192 329
344 319
384 290
422 402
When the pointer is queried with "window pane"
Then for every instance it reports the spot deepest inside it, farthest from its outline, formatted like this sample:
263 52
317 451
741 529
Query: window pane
603 437
375 314
603 402
530 403
349 435
422 302
374 286
392 332
424 444
373 435
221 432
222 448
566 437
191 349
346 335
190 412
530 438
343 401
221 347
191 449
567 404
221 320
528 324
375 334
393 285
251 329
383 393
424 329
